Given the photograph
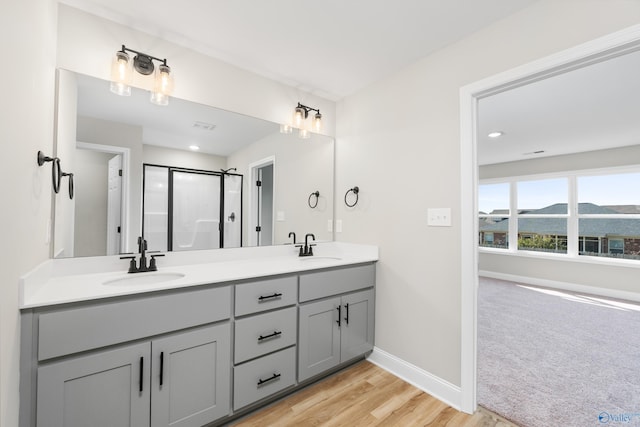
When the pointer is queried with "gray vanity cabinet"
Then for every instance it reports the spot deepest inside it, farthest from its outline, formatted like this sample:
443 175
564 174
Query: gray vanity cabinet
190 377
105 389
179 380
339 328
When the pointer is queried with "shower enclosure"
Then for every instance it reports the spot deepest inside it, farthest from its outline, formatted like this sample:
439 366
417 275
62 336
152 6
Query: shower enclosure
187 209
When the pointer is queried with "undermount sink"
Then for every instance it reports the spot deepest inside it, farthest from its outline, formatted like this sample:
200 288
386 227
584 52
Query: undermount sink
144 279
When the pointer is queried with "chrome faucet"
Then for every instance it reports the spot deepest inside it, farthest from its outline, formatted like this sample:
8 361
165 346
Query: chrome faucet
142 266
307 250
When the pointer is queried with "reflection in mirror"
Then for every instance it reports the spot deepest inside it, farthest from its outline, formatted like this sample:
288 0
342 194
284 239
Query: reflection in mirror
105 140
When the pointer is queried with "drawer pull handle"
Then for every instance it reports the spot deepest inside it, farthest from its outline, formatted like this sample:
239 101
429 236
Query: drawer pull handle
271 378
267 297
140 381
275 334
339 308
161 368
346 319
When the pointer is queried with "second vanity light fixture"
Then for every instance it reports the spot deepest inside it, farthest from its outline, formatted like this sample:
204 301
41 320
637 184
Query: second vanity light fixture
300 115
122 73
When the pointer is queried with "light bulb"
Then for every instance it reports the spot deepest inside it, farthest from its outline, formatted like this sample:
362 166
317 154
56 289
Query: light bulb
298 117
163 86
121 74
304 133
286 128
317 122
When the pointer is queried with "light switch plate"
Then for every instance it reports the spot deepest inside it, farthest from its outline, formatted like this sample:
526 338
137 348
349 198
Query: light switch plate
330 225
439 217
338 226
280 216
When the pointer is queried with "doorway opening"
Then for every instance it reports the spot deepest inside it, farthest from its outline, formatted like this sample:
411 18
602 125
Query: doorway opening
261 206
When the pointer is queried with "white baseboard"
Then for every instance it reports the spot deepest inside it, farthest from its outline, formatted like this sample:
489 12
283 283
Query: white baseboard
429 383
564 286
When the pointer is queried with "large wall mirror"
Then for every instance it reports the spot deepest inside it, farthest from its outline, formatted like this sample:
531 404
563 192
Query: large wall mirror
136 172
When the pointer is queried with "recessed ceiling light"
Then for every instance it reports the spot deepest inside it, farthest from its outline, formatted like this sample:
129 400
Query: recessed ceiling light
194 148
496 134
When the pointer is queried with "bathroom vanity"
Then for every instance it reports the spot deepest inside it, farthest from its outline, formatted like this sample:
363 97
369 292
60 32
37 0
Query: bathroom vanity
211 337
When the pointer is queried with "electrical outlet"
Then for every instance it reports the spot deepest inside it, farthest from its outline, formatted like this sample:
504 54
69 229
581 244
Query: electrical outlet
280 216
330 225
439 217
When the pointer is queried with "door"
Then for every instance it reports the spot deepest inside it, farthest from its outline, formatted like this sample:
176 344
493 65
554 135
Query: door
356 335
114 203
232 211
106 389
195 210
191 377
319 343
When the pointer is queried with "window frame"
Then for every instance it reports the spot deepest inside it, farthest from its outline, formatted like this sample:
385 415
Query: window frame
572 216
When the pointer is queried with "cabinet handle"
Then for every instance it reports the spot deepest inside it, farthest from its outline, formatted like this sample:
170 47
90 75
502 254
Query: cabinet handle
140 381
161 368
266 297
346 319
339 315
271 378
273 335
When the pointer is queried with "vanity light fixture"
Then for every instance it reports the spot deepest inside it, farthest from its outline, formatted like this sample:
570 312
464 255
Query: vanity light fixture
122 74
300 116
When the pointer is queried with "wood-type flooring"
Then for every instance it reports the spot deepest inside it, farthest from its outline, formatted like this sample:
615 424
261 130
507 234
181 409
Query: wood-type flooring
365 395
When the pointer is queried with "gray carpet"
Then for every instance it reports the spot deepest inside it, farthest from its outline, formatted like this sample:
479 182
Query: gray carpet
550 358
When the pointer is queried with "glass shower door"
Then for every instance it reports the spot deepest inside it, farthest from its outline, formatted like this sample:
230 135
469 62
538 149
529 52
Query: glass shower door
195 215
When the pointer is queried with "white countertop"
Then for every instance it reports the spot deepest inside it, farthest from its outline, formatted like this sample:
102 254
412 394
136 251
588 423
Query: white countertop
60 281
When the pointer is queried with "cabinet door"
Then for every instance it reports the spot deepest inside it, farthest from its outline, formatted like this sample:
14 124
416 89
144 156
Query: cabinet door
356 336
191 377
106 389
319 343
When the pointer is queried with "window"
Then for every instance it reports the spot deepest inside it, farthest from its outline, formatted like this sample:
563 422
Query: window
578 214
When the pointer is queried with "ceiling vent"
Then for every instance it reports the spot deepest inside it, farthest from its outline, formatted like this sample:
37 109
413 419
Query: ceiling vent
204 126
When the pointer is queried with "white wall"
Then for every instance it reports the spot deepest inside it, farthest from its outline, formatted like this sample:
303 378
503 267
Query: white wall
162 156
398 140
301 167
26 126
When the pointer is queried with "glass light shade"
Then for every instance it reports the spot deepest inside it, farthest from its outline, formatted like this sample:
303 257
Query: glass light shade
298 117
121 74
317 122
304 133
163 86
286 128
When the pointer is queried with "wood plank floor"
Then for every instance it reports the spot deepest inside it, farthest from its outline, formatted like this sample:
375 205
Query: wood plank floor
366 395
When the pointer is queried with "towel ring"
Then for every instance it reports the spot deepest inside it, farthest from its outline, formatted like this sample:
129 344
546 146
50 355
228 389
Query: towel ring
317 196
56 172
71 187
354 190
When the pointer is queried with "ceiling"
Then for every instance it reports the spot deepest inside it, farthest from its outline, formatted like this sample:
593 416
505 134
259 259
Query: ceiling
330 48
591 108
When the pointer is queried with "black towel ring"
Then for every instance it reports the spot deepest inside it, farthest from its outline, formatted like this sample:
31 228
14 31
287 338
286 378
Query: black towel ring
70 175
354 190
317 195
56 172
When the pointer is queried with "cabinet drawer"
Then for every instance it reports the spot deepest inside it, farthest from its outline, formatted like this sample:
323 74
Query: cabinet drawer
266 294
262 377
333 282
77 329
264 333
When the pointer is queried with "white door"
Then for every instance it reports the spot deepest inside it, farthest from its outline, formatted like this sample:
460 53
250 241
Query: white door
114 203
